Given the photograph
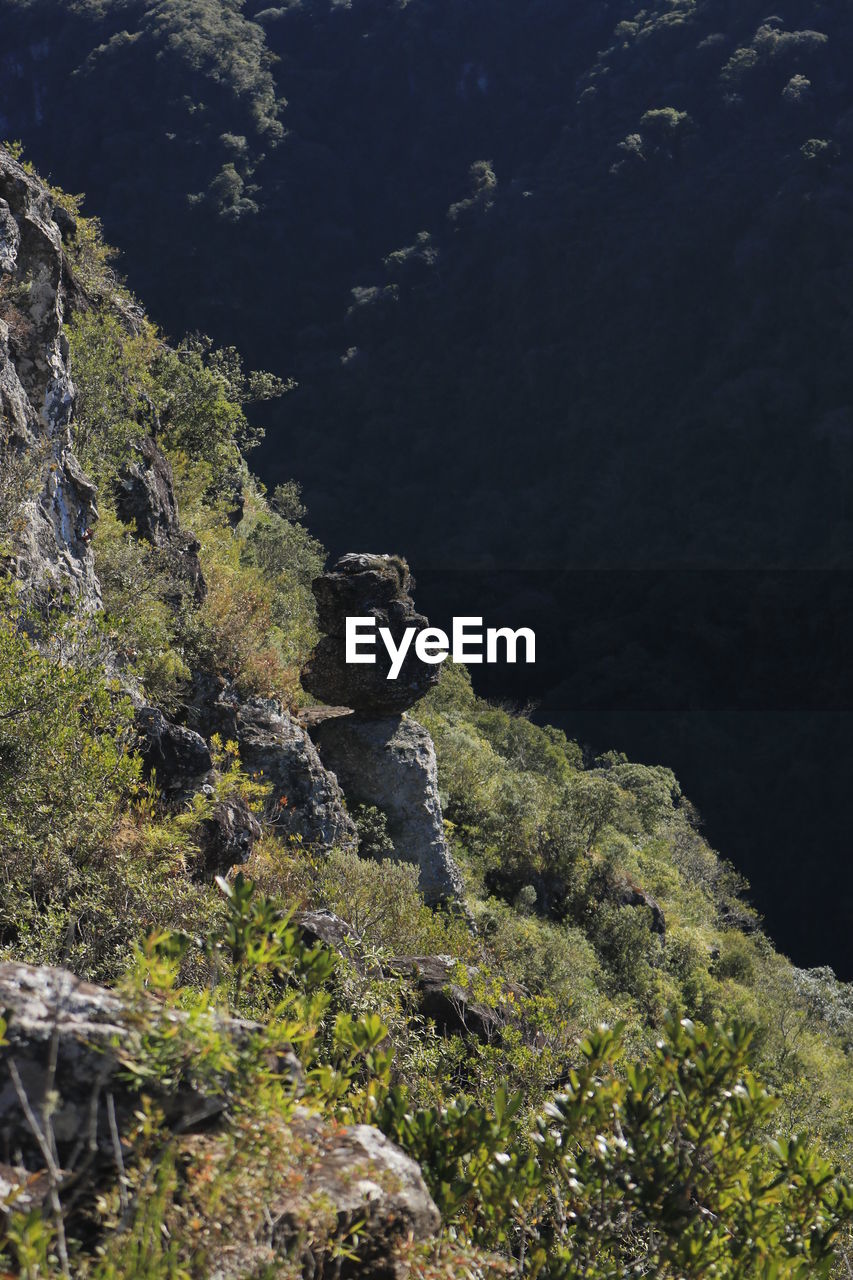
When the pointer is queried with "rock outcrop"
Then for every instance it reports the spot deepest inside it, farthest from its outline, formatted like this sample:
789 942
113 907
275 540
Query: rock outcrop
47 503
179 757
446 1000
379 755
306 801
391 763
363 1178
228 837
145 498
94 1035
329 929
376 586
337 1202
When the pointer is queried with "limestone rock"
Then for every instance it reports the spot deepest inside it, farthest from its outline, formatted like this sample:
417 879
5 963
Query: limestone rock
145 497
376 586
47 503
391 763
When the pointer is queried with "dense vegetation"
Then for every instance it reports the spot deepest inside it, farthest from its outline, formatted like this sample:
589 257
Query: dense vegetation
603 194
591 260
693 1137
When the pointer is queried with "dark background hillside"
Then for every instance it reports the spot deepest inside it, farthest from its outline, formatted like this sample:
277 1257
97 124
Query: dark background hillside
567 291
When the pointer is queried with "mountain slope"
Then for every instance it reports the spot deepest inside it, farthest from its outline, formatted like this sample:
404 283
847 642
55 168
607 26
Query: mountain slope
562 286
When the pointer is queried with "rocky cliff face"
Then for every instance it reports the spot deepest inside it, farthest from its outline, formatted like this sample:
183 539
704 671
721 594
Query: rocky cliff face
48 509
47 503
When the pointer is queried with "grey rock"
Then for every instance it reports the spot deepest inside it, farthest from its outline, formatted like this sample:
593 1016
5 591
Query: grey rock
94 1035
145 498
306 800
228 837
180 757
391 763
376 586
329 929
47 506
363 1178
347 1178
451 1005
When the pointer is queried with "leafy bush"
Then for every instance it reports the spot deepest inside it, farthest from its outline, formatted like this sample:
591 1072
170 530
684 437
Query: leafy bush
663 1167
380 899
65 732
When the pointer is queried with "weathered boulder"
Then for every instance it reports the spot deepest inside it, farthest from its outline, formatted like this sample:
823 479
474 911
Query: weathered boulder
93 1035
47 503
145 498
306 800
391 763
179 756
448 999
228 836
362 1177
376 586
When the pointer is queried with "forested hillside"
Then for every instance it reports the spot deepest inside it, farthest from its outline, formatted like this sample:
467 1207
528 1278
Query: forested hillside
586 1058
607 238
563 286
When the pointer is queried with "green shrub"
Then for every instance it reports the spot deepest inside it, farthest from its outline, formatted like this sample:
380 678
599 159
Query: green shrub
66 768
662 1167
